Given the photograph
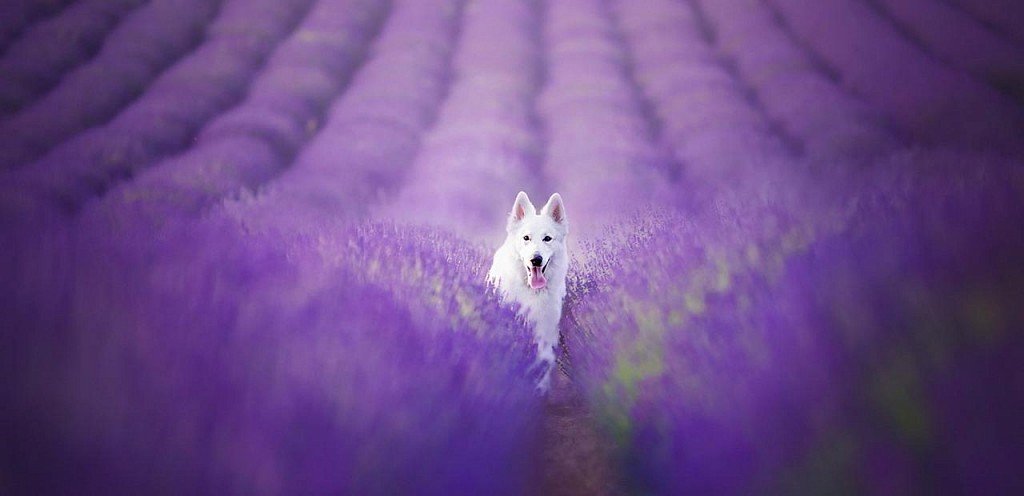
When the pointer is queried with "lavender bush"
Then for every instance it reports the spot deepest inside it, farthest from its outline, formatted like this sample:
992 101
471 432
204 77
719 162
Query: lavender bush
245 246
732 359
241 390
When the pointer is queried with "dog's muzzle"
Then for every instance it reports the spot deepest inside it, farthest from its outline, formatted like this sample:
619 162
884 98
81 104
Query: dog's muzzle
536 279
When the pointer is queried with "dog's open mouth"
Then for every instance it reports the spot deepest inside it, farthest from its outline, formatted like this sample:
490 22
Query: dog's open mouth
537 279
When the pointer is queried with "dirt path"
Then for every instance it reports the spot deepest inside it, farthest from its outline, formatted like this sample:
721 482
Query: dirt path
577 460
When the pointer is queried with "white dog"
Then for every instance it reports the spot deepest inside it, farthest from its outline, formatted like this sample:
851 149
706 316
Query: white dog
530 269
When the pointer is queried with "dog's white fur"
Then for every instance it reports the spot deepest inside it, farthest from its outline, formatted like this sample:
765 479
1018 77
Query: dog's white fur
526 238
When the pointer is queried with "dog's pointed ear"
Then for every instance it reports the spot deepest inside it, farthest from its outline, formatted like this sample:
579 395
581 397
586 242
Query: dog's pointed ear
555 209
520 209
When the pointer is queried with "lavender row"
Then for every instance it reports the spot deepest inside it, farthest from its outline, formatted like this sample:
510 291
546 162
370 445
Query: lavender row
932 102
166 118
367 328
706 117
484 144
251 143
366 361
794 90
720 363
999 14
372 133
144 44
962 42
38 59
20 14
601 149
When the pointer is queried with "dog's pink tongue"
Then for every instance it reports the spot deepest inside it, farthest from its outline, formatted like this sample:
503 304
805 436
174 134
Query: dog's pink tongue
537 280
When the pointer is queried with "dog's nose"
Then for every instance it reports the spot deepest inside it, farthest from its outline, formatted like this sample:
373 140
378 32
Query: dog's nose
536 260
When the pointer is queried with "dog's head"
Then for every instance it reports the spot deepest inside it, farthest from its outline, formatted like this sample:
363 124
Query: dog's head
538 238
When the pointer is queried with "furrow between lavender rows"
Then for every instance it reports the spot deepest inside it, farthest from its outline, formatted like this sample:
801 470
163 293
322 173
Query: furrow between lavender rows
35 63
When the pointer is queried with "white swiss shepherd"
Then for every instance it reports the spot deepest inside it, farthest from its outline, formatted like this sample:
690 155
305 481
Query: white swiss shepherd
530 269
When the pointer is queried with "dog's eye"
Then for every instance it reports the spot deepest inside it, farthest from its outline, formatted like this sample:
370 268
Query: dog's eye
526 238
547 238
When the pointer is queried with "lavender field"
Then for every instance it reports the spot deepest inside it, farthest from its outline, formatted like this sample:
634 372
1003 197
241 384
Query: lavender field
245 245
